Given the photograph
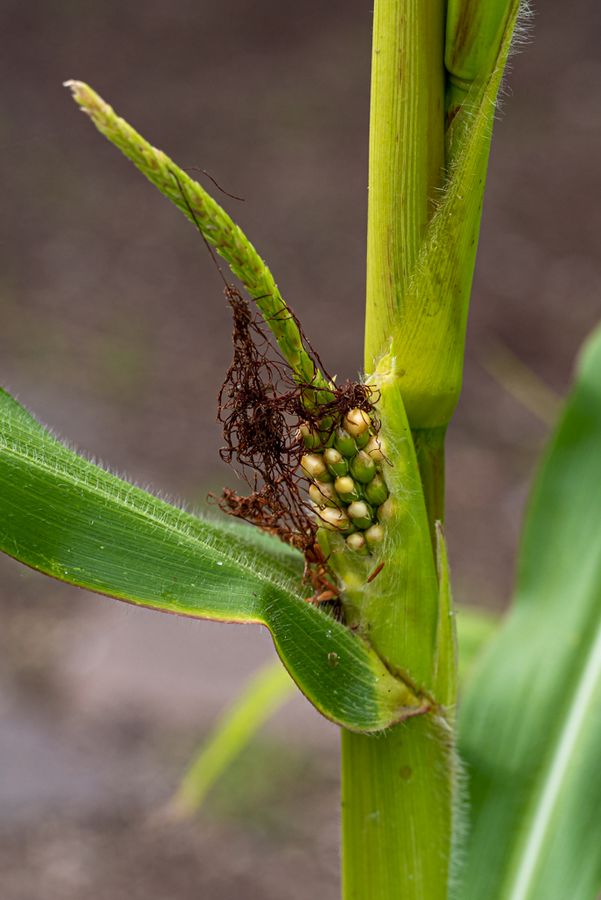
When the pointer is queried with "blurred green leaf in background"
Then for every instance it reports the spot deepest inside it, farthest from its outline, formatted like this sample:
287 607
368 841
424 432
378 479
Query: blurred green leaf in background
530 724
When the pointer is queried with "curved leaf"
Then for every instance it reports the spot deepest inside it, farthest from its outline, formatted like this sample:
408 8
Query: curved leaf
266 692
68 518
531 720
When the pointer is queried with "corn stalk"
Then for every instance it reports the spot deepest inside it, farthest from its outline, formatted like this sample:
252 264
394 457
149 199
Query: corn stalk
398 789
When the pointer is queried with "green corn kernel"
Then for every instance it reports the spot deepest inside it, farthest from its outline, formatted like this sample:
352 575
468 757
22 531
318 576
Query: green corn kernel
385 511
374 536
335 462
363 468
362 440
376 491
361 514
357 422
356 542
335 519
374 448
323 494
344 443
313 465
323 541
310 439
346 489
326 432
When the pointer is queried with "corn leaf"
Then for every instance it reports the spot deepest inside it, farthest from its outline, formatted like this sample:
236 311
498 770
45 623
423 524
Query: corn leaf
531 720
66 517
266 692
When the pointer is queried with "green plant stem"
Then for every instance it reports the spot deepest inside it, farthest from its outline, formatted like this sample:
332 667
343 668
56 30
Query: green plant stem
396 812
397 788
406 155
429 448
397 797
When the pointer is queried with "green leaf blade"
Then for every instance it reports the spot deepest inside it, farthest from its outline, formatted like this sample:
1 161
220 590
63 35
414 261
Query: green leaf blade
64 516
531 721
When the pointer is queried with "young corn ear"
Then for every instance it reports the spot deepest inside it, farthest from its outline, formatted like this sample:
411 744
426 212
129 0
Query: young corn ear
348 487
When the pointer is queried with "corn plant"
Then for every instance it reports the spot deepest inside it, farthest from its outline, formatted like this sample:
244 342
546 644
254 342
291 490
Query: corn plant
338 545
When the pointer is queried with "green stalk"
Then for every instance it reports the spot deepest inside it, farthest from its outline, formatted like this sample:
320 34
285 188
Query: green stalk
398 792
397 788
429 449
396 801
406 155
474 32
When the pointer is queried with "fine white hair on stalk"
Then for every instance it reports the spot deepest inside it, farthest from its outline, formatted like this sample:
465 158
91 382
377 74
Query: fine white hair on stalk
522 35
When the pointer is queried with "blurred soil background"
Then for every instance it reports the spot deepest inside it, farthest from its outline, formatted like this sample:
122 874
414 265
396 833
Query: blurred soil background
114 331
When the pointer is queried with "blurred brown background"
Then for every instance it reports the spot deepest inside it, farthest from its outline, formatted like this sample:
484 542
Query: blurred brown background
114 331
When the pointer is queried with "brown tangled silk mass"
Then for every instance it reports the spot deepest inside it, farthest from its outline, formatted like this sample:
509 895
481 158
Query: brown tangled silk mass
261 408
